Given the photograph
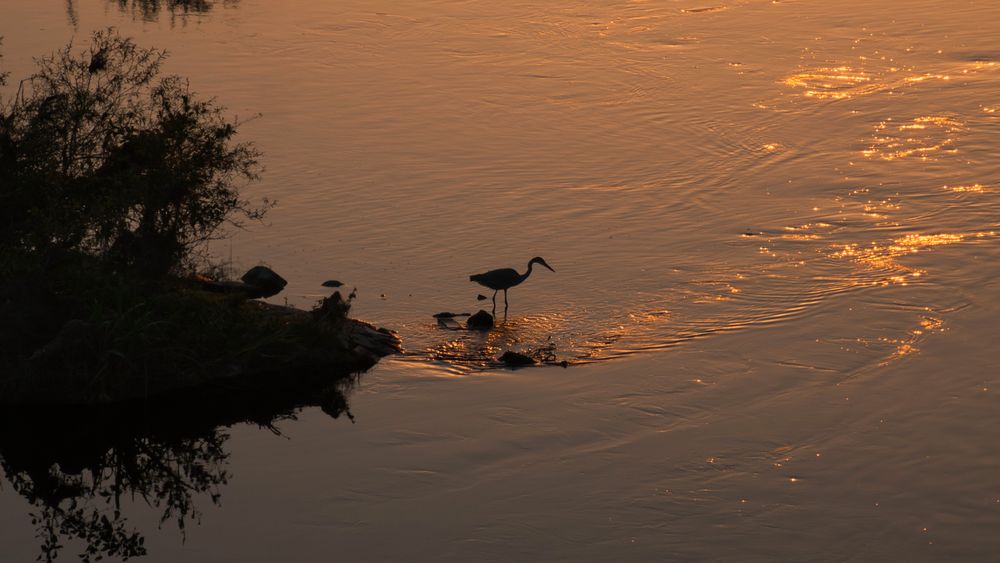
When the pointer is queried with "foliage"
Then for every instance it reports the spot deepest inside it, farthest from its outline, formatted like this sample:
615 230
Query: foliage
111 177
100 154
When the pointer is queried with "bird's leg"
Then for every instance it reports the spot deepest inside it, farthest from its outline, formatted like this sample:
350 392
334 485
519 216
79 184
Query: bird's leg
495 302
505 304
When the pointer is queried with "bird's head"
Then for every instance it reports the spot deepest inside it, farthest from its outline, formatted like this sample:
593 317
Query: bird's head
539 260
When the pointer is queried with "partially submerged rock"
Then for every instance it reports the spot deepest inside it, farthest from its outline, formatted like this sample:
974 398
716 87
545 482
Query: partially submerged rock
448 323
515 359
480 321
447 315
265 279
481 297
332 283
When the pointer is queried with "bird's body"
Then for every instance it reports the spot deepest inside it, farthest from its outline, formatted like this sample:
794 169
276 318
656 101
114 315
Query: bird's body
505 278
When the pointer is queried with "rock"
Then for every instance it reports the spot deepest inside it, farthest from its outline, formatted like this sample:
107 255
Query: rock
481 297
449 323
447 315
332 283
514 359
480 321
265 279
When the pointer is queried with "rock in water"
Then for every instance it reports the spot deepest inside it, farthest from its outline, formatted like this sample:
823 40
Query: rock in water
480 321
514 359
332 283
481 297
265 279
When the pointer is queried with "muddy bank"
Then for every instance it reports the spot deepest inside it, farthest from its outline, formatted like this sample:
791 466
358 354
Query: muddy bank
103 338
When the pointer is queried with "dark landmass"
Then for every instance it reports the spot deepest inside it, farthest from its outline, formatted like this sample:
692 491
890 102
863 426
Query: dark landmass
80 334
113 179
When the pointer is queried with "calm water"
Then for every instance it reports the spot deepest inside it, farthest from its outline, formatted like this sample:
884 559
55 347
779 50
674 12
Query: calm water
776 235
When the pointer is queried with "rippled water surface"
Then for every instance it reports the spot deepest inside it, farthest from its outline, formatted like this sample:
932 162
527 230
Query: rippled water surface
774 226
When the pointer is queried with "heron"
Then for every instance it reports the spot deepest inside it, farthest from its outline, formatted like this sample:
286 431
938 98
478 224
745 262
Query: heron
505 278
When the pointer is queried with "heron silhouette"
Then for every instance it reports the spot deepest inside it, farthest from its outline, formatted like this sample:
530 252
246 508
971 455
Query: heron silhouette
505 278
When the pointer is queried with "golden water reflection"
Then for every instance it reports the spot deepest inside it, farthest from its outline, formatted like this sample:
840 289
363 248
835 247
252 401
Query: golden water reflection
921 137
906 345
834 82
972 188
884 256
842 82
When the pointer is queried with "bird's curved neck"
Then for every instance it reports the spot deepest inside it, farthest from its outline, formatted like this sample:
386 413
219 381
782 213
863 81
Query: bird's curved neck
525 275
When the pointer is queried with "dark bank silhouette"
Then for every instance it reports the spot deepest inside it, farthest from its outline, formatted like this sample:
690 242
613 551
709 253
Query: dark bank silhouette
505 278
113 178
83 469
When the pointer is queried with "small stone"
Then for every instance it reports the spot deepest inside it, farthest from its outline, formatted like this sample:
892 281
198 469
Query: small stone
332 283
480 321
481 297
514 359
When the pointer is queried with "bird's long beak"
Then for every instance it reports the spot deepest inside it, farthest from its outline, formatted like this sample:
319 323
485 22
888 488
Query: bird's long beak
547 266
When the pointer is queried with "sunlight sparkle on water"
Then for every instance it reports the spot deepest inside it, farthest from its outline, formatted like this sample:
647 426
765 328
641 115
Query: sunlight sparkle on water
975 188
921 137
883 256
832 82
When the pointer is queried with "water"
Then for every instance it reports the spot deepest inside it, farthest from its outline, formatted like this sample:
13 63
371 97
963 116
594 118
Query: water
775 233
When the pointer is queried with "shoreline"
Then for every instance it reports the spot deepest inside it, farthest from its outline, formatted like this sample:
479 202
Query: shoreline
90 346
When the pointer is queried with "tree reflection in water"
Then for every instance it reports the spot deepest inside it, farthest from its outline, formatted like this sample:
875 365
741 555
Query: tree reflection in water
81 468
150 10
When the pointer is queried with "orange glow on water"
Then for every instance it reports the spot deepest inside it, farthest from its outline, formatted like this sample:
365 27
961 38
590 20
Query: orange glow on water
885 256
833 82
973 188
922 137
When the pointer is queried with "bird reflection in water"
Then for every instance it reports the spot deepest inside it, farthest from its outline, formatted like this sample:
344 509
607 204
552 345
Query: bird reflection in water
77 465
